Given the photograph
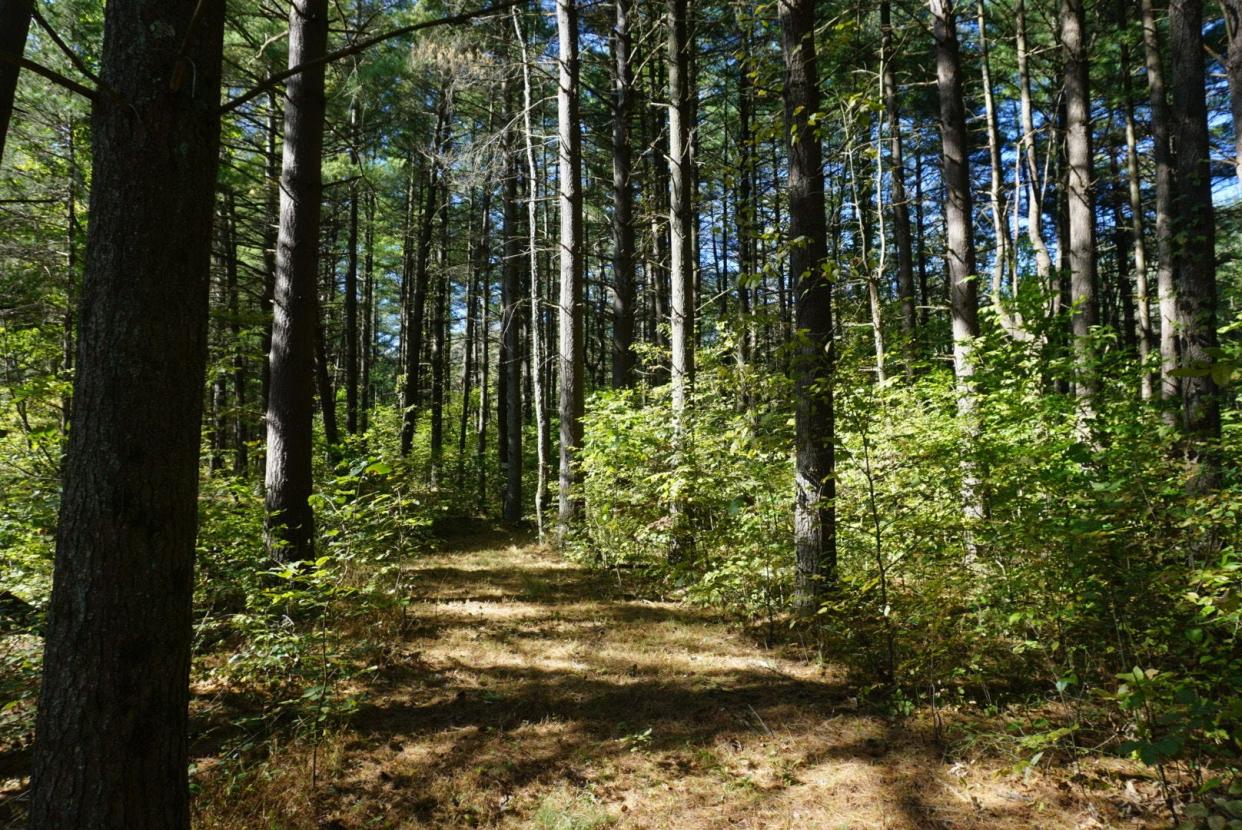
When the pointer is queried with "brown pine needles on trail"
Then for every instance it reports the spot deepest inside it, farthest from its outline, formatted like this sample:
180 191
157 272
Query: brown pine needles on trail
529 693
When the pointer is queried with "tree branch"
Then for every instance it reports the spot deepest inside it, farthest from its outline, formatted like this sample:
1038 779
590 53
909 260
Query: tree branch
53 76
360 46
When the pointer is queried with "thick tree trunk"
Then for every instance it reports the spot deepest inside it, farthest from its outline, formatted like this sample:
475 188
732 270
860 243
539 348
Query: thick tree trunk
291 524
681 243
111 748
14 26
511 337
1195 232
1084 312
1170 387
569 342
812 366
623 204
960 253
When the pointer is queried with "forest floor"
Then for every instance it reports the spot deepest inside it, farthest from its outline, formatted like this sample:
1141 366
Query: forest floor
533 693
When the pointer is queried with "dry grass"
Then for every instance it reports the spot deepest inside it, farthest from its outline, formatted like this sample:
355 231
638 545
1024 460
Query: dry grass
529 693
522 691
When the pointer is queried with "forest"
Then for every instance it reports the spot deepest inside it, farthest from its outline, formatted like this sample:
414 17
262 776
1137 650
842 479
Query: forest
575 414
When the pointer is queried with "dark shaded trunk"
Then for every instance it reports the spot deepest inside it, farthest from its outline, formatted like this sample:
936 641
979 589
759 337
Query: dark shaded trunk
14 26
511 338
1195 232
745 205
368 315
351 316
271 225
291 523
237 359
440 349
1138 240
111 746
1233 22
812 365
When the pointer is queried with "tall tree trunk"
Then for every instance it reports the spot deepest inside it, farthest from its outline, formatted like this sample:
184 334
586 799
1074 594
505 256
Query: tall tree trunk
681 248
1170 387
291 523
745 204
368 314
440 349
900 205
960 252
417 307
351 314
112 745
1121 248
1138 236
1035 183
1195 232
327 395
570 358
14 26
511 337
238 359
1084 312
623 204
271 226
814 513
537 327
1009 320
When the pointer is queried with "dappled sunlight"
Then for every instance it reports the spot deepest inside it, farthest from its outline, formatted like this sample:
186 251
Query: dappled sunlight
530 691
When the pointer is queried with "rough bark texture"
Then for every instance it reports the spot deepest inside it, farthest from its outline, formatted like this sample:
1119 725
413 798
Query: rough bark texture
1196 241
111 747
511 337
814 514
290 405
14 26
1160 121
1084 313
960 252
569 343
623 204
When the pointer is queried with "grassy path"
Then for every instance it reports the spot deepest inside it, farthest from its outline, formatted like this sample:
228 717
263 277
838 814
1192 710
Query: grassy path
531 693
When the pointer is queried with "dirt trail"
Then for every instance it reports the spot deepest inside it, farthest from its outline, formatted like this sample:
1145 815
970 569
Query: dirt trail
531 693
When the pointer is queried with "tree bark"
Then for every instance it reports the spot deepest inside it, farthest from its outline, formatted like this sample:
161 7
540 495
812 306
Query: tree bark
1170 387
623 271
569 342
14 26
900 204
1035 188
511 336
1195 232
111 746
1084 311
1138 236
812 366
291 523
